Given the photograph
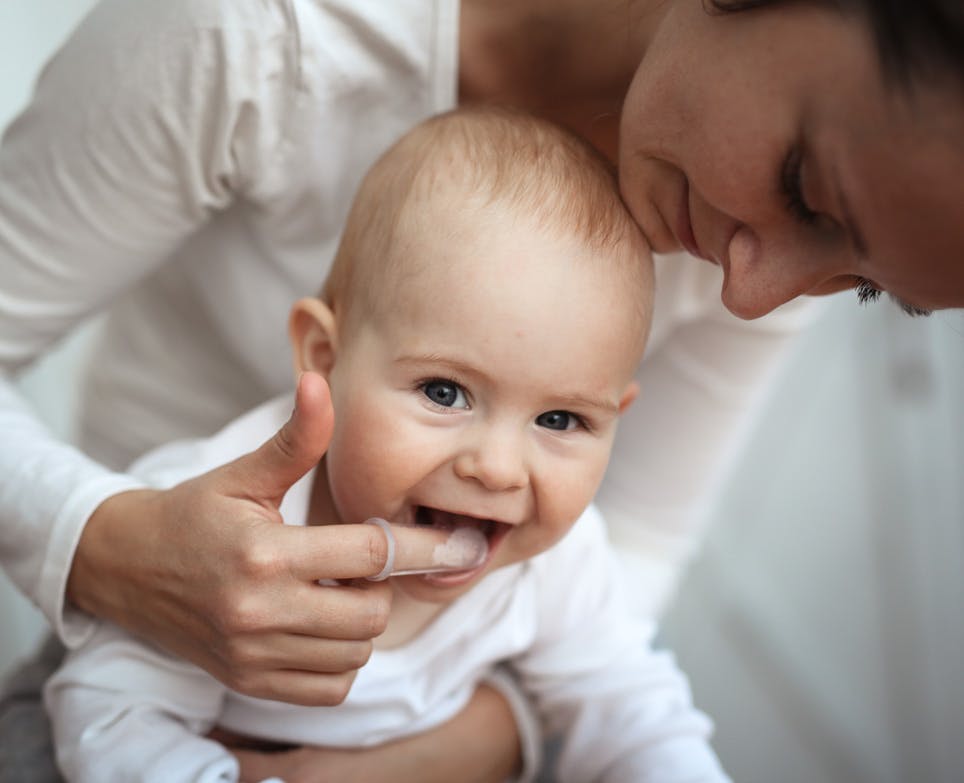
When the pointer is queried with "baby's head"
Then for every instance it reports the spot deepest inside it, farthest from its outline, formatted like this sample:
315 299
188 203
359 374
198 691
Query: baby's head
480 330
467 175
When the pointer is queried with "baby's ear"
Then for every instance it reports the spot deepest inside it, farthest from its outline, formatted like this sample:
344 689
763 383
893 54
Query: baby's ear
313 331
632 390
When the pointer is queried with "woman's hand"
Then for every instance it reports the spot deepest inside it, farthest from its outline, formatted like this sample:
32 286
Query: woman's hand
479 745
208 571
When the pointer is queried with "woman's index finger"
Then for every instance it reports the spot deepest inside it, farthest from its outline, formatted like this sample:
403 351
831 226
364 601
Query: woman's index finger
359 551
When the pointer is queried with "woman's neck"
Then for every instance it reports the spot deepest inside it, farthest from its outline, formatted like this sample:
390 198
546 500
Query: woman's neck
570 61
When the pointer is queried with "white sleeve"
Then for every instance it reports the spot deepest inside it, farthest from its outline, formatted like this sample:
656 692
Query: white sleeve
123 711
705 374
623 710
150 119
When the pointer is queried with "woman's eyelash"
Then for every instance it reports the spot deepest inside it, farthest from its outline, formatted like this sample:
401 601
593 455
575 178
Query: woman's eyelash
866 291
791 186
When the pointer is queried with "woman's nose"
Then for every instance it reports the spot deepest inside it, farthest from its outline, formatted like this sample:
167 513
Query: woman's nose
761 276
495 460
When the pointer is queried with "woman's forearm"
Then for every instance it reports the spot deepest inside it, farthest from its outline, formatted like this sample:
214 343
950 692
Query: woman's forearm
479 745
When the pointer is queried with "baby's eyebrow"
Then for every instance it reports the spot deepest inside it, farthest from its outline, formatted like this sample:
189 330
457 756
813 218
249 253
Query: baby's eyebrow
457 365
582 401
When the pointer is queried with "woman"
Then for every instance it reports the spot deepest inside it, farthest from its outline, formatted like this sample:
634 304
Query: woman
184 160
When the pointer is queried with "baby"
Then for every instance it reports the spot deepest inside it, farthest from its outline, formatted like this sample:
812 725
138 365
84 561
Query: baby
479 331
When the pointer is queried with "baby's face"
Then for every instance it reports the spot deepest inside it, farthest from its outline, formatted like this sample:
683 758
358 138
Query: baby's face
486 393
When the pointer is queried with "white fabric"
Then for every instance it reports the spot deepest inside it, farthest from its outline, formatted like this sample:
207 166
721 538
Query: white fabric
124 711
187 165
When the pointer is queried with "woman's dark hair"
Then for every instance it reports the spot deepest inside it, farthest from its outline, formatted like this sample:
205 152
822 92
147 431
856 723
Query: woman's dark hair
916 39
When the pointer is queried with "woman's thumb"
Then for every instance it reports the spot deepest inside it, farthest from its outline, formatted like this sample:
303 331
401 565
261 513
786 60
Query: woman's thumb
269 471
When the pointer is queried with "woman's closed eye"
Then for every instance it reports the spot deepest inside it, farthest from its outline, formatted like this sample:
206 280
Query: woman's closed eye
560 421
791 187
445 394
802 208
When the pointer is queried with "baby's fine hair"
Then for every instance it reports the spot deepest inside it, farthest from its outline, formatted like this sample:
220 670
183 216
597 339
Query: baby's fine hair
476 157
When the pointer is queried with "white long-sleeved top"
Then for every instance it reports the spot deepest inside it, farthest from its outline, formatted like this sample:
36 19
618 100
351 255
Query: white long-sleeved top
124 711
186 166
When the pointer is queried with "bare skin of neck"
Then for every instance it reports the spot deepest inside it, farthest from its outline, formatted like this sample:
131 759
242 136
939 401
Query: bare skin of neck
570 61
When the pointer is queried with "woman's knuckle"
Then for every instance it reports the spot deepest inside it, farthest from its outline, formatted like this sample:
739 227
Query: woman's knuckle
375 619
240 680
284 441
358 654
255 685
243 656
241 617
259 562
339 688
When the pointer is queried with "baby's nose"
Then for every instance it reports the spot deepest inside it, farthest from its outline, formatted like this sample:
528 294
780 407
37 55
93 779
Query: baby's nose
496 461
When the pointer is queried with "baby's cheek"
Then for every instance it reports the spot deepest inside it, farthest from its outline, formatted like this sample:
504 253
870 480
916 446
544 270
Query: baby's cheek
359 461
581 485
345 483
574 491
567 504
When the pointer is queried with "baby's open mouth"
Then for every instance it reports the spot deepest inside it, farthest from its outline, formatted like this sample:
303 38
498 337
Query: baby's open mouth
448 521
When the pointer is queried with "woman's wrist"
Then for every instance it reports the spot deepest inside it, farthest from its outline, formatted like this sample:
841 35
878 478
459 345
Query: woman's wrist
108 546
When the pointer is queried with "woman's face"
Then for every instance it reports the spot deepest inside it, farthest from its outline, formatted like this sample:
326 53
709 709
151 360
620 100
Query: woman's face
767 142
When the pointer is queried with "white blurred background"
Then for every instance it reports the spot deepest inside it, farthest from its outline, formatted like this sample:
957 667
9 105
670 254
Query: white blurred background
822 625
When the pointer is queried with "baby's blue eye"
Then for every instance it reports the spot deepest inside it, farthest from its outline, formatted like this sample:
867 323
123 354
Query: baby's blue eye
446 394
557 420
